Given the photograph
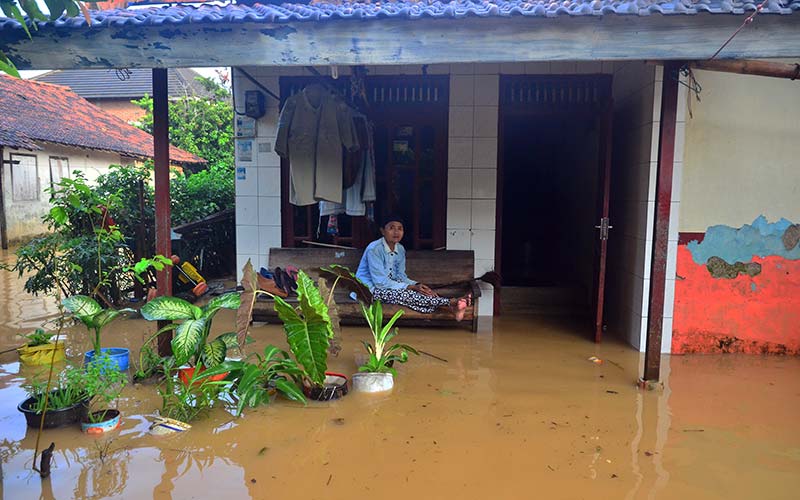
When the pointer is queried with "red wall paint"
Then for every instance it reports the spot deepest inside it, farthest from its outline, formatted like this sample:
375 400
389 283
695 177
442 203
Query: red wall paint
714 315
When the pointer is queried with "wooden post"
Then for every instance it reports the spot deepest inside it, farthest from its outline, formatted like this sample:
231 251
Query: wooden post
658 273
3 231
162 215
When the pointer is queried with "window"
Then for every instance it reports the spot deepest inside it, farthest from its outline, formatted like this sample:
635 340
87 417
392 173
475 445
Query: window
59 169
24 178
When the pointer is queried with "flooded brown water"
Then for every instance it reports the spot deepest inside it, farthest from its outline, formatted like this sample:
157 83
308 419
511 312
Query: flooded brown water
516 412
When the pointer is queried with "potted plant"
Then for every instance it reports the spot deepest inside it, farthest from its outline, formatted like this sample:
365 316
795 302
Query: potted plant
185 401
308 332
40 349
66 401
95 318
377 374
258 383
104 383
190 343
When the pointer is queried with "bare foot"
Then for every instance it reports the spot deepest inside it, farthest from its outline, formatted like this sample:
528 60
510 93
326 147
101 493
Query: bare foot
459 308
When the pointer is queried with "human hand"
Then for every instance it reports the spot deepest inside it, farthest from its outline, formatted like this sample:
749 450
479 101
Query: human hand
425 290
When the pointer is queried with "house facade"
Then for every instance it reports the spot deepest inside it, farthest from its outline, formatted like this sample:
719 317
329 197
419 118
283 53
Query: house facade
541 136
49 133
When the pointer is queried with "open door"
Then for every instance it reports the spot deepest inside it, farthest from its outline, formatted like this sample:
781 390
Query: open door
603 226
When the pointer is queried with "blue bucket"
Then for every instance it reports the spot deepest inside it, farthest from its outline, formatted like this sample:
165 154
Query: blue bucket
119 355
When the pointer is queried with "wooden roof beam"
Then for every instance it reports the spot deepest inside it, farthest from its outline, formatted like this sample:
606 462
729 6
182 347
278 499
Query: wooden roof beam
751 67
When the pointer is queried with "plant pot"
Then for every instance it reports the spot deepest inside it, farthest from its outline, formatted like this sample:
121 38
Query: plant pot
119 355
110 423
186 374
372 382
42 354
334 387
53 418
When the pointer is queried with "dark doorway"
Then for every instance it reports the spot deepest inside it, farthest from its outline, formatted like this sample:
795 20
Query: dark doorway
553 134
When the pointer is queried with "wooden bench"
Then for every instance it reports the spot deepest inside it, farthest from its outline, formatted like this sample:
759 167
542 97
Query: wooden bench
431 266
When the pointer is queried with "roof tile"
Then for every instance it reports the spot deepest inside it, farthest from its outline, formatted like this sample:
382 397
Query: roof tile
45 112
406 9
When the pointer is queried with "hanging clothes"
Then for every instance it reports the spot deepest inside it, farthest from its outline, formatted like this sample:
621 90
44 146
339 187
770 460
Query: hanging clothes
362 191
313 127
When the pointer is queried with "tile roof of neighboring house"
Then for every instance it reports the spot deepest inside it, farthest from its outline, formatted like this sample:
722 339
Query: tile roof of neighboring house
106 84
404 9
12 139
42 112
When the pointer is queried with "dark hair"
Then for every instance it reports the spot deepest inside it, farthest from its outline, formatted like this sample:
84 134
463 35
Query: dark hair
391 218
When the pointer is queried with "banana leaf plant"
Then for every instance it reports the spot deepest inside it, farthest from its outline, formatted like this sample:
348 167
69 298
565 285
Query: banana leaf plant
89 312
308 326
192 326
381 356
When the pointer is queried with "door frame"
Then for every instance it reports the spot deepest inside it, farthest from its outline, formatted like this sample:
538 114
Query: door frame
530 109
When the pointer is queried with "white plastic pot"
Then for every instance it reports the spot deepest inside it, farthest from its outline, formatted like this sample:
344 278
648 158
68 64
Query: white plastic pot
372 382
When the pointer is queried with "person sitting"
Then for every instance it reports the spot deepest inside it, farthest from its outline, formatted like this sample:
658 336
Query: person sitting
383 270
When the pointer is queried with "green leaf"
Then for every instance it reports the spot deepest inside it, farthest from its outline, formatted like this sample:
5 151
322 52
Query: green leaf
226 301
30 8
56 8
72 8
11 10
59 215
290 390
170 308
188 336
7 67
81 306
229 338
105 317
353 283
308 330
214 353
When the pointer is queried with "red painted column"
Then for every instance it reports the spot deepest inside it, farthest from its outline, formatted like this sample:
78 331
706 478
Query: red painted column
658 273
162 215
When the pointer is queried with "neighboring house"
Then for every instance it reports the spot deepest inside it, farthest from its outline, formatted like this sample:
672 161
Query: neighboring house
48 132
513 113
113 90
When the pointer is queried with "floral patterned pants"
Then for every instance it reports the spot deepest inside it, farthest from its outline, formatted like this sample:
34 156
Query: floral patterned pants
411 299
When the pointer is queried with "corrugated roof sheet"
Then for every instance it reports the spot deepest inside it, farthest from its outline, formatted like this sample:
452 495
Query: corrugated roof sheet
106 84
52 113
294 12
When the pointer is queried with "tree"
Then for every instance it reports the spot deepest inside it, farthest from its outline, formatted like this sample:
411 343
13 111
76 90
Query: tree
200 125
15 8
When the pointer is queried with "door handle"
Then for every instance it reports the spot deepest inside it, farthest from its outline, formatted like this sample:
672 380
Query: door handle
604 227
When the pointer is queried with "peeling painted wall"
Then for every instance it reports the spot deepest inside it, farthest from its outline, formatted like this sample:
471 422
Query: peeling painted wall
738 284
23 218
737 291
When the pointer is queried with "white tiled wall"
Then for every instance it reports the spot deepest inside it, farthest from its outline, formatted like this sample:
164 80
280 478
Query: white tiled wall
637 96
258 203
472 159
472 166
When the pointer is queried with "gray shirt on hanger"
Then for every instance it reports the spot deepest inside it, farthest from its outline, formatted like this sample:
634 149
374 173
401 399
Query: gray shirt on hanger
312 128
